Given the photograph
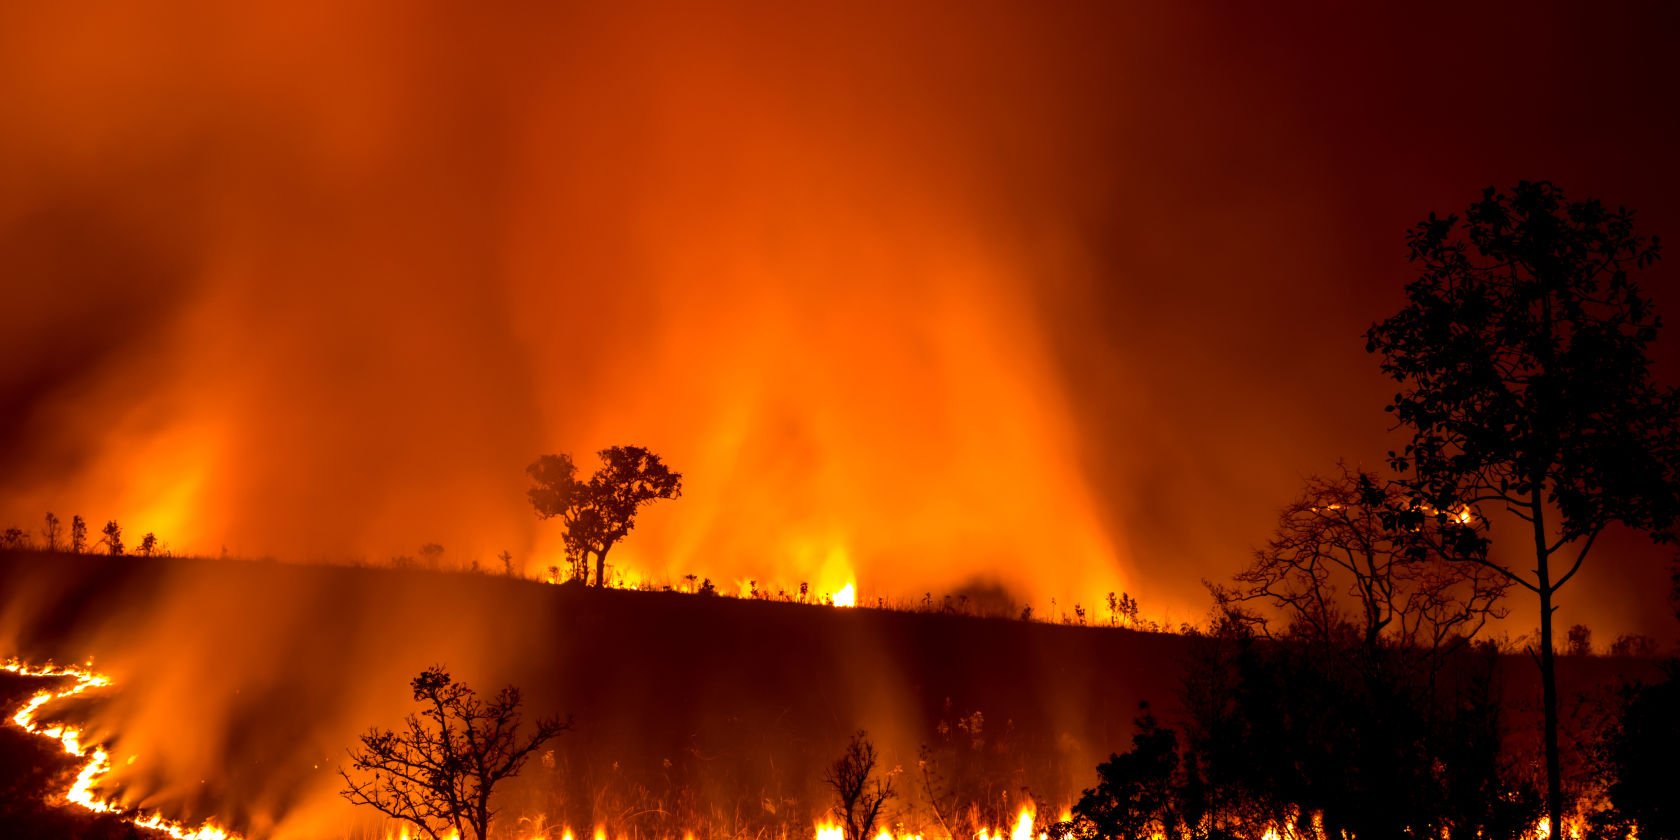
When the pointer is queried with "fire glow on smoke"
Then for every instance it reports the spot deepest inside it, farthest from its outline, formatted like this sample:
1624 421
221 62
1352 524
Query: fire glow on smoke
96 764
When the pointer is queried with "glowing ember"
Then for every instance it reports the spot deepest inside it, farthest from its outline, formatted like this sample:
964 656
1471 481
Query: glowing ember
96 762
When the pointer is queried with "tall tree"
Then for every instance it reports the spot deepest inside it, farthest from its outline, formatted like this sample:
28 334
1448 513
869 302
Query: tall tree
51 532
1526 388
601 511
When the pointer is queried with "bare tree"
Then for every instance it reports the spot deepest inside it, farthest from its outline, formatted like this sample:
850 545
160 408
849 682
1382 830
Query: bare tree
148 545
14 539
440 771
858 793
51 532
507 562
601 511
78 534
1352 557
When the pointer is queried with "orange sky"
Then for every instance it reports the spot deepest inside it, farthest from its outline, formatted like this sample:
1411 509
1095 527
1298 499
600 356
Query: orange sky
1066 296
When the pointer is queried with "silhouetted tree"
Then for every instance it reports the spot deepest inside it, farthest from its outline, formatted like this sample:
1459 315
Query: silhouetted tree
1123 607
859 793
14 539
1638 754
1354 541
1141 793
1378 606
601 511
1578 641
440 771
78 534
148 545
1633 644
507 562
431 555
113 538
51 532
1284 728
1522 356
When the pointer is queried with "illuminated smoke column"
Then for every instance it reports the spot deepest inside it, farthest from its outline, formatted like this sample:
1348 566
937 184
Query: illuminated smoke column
332 308
1065 297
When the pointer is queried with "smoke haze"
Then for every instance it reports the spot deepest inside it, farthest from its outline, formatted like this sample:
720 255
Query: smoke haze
1066 297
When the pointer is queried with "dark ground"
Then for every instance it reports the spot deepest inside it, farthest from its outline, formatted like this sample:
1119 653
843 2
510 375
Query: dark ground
703 709
691 711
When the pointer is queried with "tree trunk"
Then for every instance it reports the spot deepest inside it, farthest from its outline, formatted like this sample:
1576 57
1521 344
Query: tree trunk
1548 671
601 569
1548 687
481 817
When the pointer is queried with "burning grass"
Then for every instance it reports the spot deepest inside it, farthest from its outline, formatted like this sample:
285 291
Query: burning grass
697 717
94 759
706 715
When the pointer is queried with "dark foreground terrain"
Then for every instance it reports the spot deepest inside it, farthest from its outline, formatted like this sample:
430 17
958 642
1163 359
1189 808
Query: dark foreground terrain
690 710
241 685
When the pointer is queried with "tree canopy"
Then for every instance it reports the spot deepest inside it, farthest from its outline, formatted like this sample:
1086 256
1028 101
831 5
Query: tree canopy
440 770
1522 353
601 511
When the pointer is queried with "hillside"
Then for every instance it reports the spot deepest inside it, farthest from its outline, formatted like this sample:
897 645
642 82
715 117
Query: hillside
255 677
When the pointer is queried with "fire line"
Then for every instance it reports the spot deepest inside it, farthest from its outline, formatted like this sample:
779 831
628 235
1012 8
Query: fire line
96 763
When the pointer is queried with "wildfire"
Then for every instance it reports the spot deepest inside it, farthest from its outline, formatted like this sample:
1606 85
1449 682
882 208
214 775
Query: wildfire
846 597
96 761
1574 828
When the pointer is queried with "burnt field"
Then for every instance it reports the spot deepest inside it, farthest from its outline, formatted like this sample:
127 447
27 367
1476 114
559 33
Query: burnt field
240 686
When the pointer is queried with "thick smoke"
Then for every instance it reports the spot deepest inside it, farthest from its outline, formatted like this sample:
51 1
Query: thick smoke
1066 298
1057 298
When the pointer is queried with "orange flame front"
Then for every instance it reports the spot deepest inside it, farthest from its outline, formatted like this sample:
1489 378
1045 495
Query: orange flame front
96 762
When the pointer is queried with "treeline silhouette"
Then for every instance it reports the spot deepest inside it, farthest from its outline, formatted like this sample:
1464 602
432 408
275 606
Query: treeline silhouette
1341 690
74 539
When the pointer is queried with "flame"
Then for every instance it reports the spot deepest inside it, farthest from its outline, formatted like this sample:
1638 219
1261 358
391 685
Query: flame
846 597
1023 824
1289 830
1022 830
97 764
96 761
1574 828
